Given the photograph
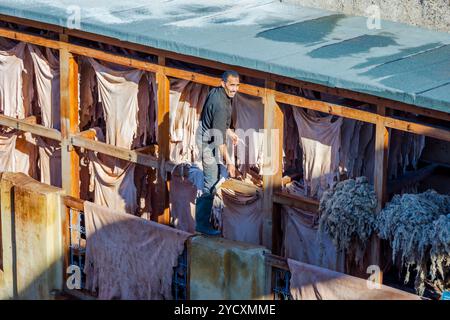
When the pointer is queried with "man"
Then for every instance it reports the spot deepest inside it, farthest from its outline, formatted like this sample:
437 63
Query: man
215 121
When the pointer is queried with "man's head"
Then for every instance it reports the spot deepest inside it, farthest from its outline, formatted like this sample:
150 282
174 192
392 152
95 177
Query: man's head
230 82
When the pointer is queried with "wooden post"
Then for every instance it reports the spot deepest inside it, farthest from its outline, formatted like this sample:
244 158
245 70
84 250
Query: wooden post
380 179
69 121
162 206
272 168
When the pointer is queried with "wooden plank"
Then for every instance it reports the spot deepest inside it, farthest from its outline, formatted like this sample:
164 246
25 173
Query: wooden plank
162 214
381 160
168 54
277 229
417 128
31 23
29 38
90 134
113 151
211 81
363 97
276 261
296 201
25 125
125 61
31 120
394 186
273 159
380 181
327 107
70 160
366 116
74 203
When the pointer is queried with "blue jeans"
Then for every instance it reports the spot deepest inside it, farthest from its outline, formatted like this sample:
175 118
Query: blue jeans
205 202
210 168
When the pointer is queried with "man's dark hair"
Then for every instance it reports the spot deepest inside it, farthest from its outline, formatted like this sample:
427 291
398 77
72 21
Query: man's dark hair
228 73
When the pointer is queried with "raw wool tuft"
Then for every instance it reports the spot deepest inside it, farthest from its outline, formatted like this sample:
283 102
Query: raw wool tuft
418 229
347 216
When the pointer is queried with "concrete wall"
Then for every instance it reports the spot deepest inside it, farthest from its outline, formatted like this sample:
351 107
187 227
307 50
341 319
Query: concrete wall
432 14
227 270
31 230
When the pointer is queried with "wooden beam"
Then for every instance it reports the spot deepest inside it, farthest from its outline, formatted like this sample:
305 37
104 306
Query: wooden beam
168 54
272 167
25 125
125 61
151 150
113 151
381 159
417 128
90 134
162 214
70 160
296 201
276 261
74 203
29 38
31 120
326 107
397 185
32 23
366 116
380 180
363 97
211 81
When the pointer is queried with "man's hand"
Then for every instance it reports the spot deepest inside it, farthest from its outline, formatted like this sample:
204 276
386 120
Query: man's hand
233 136
231 170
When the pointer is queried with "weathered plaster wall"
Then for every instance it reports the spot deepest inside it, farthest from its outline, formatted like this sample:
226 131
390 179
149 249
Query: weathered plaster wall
32 248
432 14
227 270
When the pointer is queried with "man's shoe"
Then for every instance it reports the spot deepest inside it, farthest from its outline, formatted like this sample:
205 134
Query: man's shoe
208 231
202 214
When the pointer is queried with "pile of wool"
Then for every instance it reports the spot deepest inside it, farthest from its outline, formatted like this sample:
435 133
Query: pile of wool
418 229
347 216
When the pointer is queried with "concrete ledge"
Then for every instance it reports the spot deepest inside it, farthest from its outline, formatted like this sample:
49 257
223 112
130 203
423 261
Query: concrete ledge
221 269
32 244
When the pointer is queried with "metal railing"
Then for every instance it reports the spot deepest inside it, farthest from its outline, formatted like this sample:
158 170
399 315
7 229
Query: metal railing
281 288
77 242
180 278
281 277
